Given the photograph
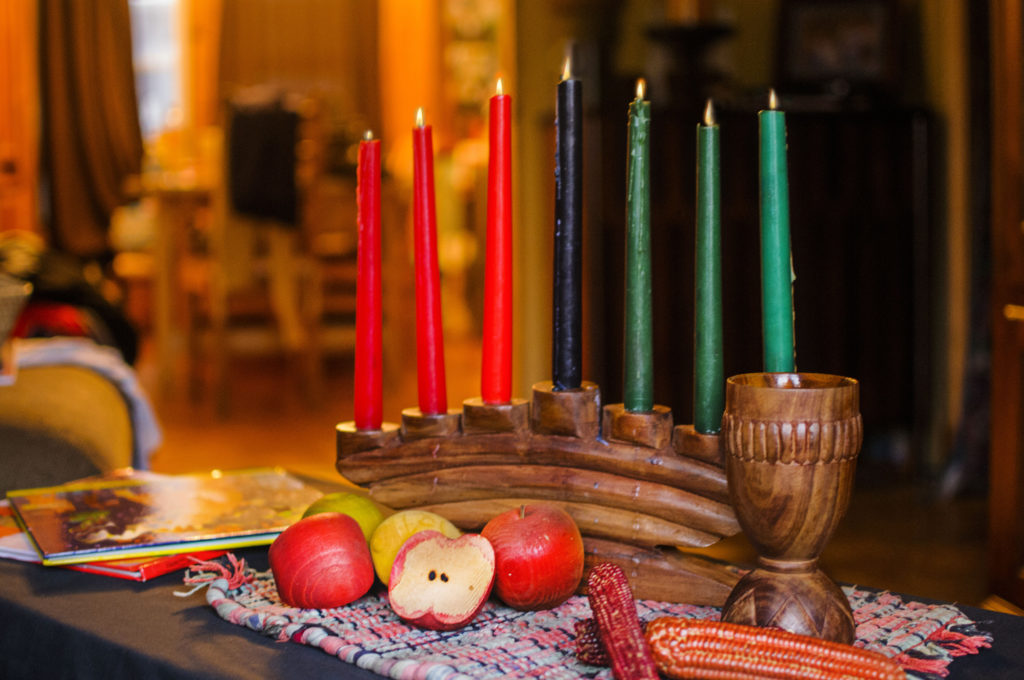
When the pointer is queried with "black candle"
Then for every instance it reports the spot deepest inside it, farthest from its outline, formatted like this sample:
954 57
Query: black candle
568 288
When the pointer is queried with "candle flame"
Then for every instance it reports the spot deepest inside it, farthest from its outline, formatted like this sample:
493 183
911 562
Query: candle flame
709 114
567 69
498 89
419 117
773 99
368 135
641 88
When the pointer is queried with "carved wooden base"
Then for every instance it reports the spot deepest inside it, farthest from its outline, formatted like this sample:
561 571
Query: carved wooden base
805 602
664 574
634 542
635 495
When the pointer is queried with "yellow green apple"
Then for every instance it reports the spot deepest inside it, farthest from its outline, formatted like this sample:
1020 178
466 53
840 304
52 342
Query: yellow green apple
395 530
360 508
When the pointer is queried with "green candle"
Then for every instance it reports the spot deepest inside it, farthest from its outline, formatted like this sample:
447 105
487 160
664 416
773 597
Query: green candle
638 387
776 259
708 371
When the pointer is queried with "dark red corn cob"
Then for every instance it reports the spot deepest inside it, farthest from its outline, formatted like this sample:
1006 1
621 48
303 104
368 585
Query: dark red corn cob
611 600
589 649
714 650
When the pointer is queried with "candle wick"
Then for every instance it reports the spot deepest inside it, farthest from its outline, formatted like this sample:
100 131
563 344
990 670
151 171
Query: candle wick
419 117
773 99
641 88
368 135
709 114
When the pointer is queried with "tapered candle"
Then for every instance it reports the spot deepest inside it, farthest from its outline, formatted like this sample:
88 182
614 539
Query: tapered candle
708 371
638 364
433 397
776 258
567 326
368 397
496 374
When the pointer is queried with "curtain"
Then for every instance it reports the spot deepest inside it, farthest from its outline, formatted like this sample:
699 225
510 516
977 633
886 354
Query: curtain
19 116
91 136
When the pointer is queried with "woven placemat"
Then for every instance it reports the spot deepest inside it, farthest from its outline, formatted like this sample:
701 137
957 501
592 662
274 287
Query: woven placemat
502 642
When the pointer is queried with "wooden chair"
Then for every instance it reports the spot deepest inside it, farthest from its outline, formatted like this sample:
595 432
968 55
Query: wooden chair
251 283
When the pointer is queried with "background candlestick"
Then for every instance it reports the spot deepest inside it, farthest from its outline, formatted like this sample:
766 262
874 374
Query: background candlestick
368 394
496 374
433 398
776 257
638 379
567 327
708 370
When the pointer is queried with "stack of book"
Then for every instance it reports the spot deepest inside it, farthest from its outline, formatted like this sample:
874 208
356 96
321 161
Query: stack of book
138 525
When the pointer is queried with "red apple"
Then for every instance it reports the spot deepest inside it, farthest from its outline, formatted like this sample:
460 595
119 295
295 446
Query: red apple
321 561
538 554
441 583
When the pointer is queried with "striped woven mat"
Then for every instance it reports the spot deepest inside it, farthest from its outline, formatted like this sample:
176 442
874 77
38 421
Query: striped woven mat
502 642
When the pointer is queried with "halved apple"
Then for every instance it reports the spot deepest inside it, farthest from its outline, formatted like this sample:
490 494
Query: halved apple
441 583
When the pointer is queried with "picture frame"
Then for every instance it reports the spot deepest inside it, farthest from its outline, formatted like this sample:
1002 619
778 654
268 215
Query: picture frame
839 45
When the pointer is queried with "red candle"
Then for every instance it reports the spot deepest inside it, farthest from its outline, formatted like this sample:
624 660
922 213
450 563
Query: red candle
429 340
496 377
368 383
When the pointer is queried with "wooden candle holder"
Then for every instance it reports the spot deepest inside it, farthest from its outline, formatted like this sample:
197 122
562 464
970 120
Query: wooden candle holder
637 493
791 442
419 425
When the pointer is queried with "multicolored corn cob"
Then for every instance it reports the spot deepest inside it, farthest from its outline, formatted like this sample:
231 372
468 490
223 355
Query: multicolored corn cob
714 650
611 600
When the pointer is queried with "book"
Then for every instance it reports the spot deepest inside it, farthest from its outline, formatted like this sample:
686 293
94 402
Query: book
102 519
145 568
15 545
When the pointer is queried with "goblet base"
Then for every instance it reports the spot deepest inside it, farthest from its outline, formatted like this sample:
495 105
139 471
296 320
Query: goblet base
803 601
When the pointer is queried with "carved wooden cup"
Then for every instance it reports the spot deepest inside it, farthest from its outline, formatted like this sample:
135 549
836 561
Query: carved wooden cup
790 442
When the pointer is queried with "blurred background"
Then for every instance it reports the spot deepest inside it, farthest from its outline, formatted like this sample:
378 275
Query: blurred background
192 164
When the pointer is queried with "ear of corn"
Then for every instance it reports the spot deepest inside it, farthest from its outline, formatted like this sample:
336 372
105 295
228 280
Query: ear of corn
611 600
715 650
589 649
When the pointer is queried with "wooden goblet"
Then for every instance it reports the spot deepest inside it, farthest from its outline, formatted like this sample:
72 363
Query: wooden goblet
790 442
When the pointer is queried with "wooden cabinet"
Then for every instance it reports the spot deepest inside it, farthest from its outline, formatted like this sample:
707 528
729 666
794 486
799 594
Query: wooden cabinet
1006 467
861 235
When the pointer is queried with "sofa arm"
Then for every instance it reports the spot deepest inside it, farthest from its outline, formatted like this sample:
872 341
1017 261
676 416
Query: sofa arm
59 423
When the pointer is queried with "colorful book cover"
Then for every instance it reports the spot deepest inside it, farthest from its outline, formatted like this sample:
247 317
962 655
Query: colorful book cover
107 519
16 546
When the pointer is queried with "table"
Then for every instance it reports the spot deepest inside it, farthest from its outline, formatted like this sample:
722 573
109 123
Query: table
59 623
